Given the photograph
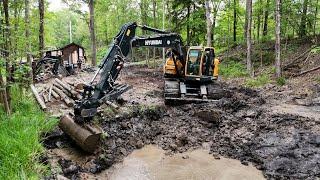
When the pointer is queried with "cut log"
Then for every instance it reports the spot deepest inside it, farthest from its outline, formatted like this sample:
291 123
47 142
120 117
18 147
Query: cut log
87 138
45 97
38 98
65 91
68 88
63 96
55 95
50 92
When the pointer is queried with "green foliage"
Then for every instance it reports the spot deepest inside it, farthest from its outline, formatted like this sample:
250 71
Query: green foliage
20 138
281 81
317 79
232 69
258 81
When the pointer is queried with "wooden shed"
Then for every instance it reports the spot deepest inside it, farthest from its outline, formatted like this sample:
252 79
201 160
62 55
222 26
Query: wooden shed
73 55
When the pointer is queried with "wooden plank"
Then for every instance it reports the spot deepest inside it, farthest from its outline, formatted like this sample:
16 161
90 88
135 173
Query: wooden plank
38 98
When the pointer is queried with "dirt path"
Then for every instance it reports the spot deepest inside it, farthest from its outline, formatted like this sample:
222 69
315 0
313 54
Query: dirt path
243 126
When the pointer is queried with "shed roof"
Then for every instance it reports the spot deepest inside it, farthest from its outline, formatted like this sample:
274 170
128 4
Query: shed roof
71 44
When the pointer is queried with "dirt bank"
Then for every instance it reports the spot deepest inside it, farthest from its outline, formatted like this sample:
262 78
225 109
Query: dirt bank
241 126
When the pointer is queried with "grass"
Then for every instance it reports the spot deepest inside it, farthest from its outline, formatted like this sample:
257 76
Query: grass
20 138
258 81
232 69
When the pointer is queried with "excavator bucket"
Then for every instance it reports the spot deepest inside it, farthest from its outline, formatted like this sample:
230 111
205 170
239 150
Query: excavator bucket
86 136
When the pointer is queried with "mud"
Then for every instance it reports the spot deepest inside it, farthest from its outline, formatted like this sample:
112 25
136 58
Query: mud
240 126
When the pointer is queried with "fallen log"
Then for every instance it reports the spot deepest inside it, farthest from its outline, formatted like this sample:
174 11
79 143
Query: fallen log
308 71
87 138
295 60
38 98
63 96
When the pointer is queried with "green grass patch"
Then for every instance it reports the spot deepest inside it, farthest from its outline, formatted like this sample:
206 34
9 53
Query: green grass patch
258 81
317 79
232 69
20 146
281 81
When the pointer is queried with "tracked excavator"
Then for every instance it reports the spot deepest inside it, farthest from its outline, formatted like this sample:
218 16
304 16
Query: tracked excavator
188 75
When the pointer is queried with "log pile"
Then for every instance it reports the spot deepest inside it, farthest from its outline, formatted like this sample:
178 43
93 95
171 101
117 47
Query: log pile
58 90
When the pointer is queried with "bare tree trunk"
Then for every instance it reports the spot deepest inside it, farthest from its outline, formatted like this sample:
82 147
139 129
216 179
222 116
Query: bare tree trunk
303 21
6 90
277 45
188 26
41 27
28 44
245 22
315 19
249 20
266 16
154 5
209 23
259 22
234 21
92 33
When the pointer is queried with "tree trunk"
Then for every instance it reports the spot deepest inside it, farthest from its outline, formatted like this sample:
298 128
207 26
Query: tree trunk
303 21
6 90
277 45
315 19
28 43
249 20
259 21
7 48
41 28
245 22
266 16
92 33
234 21
188 26
209 23
154 8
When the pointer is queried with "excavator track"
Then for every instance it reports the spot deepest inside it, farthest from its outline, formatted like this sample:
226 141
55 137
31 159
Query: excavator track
175 95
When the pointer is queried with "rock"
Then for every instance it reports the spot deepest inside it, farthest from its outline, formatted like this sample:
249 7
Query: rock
139 144
185 157
123 151
173 146
60 177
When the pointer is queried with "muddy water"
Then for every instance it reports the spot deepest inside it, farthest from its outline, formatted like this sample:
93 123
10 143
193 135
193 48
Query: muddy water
151 163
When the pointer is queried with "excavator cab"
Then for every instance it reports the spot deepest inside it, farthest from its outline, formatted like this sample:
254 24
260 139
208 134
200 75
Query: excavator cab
201 63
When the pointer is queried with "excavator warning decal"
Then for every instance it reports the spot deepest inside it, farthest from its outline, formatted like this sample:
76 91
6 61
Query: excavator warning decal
128 32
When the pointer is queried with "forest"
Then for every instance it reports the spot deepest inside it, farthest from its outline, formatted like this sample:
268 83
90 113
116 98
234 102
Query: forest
268 54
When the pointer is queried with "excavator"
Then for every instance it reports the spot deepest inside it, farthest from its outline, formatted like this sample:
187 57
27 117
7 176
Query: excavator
188 75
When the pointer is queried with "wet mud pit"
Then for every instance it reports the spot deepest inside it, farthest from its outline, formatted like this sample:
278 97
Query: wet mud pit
241 127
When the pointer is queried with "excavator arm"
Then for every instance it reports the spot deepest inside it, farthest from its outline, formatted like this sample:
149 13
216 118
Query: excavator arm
105 87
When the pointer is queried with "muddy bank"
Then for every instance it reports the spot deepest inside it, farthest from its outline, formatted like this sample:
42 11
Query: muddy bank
238 127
